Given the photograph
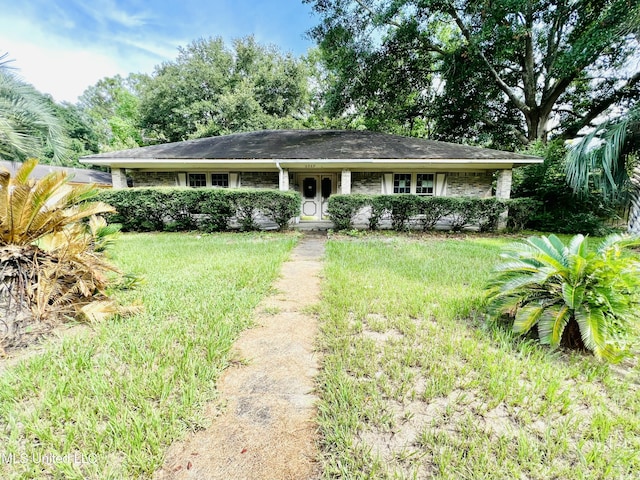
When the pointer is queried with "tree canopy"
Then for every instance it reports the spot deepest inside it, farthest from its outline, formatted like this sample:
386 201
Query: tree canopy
112 105
213 90
502 72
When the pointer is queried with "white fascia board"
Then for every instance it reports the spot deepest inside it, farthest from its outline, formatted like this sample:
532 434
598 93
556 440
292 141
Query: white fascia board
178 163
308 162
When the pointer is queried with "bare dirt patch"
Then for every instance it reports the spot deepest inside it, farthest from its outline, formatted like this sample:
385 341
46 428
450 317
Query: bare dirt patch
264 427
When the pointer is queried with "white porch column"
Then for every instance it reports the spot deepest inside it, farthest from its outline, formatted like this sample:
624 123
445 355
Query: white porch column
283 180
503 190
119 178
345 182
503 187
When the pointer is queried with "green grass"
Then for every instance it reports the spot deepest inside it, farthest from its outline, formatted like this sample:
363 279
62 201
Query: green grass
415 384
108 402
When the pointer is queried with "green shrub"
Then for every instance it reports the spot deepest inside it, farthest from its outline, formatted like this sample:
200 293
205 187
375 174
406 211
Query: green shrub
138 209
520 212
343 209
433 209
489 211
278 206
181 209
402 208
379 208
465 211
215 208
574 296
245 205
207 209
560 209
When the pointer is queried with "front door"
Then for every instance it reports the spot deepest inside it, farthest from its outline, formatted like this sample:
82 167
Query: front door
316 190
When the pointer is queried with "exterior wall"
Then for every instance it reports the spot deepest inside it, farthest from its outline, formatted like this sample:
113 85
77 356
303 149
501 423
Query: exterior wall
154 179
369 183
469 184
268 180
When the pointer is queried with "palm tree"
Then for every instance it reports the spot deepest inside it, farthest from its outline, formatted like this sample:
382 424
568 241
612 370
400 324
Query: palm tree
575 296
50 260
27 122
612 165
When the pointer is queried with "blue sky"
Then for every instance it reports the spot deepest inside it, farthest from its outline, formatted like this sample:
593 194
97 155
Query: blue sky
63 46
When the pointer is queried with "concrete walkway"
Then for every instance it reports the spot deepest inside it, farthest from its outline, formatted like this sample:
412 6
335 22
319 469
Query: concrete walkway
267 430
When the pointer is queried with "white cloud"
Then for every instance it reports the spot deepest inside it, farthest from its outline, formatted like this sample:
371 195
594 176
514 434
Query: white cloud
64 67
64 46
107 10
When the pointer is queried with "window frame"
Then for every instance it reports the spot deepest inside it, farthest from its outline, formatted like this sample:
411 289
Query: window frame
433 184
208 178
225 181
398 180
413 183
196 173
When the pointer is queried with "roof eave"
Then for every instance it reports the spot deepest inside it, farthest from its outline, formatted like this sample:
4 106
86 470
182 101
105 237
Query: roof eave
309 163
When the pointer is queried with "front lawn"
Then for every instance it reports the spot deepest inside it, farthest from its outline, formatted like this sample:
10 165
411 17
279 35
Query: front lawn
107 402
416 385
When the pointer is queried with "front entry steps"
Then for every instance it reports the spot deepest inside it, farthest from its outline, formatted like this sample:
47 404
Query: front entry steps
314 225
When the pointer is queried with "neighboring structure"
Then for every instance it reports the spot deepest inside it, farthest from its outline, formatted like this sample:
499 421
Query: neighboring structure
77 176
318 163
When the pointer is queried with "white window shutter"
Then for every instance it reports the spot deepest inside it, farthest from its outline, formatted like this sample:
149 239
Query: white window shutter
387 183
234 180
441 185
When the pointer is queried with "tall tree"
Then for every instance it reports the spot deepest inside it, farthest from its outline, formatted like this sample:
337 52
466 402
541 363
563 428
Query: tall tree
212 90
112 106
28 125
517 70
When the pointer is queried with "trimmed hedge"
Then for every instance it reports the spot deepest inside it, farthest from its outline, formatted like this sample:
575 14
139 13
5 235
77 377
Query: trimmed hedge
413 211
342 209
208 210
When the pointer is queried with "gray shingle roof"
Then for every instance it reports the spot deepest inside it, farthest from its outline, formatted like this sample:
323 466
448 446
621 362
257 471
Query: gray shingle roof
77 175
311 144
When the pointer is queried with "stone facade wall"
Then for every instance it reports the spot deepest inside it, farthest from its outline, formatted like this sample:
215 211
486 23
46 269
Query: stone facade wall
369 183
469 184
153 179
260 180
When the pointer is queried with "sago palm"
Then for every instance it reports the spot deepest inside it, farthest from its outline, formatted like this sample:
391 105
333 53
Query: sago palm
49 264
568 291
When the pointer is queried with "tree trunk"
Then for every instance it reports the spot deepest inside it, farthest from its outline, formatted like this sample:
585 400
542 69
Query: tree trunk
537 124
571 337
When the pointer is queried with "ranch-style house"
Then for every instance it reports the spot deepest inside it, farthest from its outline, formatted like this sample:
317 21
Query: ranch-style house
318 164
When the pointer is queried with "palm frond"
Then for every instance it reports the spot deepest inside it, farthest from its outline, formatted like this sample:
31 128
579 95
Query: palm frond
573 295
527 317
552 323
548 252
600 157
578 245
28 123
592 329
